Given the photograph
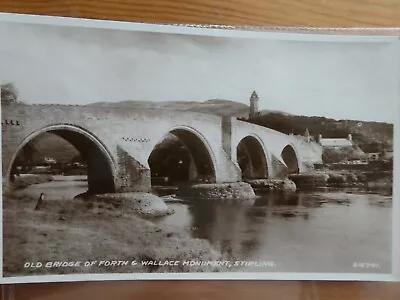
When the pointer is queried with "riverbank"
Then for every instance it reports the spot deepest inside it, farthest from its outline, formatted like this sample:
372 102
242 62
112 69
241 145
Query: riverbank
76 230
25 180
145 205
344 178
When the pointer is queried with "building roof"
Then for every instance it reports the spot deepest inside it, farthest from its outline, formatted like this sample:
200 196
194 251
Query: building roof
336 142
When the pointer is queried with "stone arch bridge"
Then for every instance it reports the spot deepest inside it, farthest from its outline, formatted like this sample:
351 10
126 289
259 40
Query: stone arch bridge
117 142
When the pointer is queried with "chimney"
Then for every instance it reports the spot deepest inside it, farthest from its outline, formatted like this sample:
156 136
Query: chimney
350 137
319 140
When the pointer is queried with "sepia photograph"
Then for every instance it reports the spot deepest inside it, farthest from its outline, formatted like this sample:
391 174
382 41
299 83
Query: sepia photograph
171 150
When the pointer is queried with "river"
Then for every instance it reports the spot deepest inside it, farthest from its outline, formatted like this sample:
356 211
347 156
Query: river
336 230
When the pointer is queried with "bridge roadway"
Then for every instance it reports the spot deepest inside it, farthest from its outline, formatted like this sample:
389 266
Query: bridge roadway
117 142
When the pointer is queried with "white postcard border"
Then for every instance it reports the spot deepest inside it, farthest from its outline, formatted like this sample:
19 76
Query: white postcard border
238 33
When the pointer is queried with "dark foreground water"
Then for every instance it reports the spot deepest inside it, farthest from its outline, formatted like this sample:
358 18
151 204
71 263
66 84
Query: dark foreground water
318 231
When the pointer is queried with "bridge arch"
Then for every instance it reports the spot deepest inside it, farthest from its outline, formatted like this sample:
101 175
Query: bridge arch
290 157
198 162
252 157
101 169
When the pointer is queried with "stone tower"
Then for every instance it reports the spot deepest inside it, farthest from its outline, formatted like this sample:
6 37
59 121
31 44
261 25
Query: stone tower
350 137
307 135
253 105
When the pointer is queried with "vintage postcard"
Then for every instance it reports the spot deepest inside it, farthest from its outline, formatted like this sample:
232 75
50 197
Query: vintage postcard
137 151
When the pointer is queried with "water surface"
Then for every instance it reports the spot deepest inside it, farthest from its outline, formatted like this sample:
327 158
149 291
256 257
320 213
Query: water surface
315 231
324 231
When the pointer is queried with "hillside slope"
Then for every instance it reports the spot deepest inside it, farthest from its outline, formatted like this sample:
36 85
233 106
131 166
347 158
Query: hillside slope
214 106
370 136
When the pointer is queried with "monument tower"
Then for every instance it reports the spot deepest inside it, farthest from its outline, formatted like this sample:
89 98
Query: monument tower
253 105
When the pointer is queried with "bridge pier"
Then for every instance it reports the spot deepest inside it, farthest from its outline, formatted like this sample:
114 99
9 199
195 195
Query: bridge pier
132 176
240 191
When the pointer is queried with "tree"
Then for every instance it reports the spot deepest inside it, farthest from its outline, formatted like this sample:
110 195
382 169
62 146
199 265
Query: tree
9 93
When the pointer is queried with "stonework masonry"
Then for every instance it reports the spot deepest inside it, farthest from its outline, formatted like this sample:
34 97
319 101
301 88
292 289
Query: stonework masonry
125 138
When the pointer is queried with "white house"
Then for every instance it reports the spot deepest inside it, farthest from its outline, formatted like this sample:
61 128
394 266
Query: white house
335 142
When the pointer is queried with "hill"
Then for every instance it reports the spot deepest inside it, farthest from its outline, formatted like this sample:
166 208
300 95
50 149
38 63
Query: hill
219 107
214 106
49 145
370 136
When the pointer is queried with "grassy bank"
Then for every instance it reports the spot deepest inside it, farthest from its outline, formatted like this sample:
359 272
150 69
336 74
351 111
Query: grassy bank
75 230
360 177
382 179
26 180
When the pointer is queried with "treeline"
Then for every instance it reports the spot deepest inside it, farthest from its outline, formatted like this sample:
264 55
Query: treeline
9 93
370 136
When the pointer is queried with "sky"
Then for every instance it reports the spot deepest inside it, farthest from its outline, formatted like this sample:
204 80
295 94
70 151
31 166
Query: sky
71 65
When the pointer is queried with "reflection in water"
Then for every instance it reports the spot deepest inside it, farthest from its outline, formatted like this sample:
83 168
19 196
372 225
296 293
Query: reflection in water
224 225
322 231
237 230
